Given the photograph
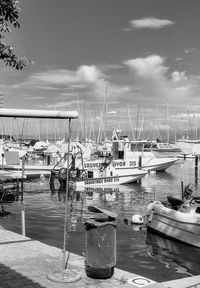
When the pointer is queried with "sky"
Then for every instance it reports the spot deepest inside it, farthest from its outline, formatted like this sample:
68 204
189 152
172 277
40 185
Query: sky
132 63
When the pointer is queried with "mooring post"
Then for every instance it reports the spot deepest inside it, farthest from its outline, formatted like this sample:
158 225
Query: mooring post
182 188
140 162
140 165
196 168
23 168
2 158
23 220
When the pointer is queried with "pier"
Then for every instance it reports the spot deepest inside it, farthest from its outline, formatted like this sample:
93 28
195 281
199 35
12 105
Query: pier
26 263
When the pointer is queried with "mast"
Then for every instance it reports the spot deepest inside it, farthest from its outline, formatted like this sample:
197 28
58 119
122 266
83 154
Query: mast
136 126
105 108
84 121
129 116
167 123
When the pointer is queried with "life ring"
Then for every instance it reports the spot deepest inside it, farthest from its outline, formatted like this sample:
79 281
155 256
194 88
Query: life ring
61 175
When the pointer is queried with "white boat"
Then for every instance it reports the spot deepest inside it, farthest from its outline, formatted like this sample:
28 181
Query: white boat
126 151
158 149
148 162
179 220
189 146
161 149
106 174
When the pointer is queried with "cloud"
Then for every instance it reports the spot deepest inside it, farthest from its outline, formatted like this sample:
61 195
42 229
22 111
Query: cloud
178 76
112 112
63 77
178 59
151 76
149 67
151 23
189 50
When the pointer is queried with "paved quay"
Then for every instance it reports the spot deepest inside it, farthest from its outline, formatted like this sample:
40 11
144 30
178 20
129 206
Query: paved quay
25 263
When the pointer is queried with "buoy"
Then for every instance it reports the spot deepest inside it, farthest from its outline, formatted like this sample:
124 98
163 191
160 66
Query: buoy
42 177
137 219
137 227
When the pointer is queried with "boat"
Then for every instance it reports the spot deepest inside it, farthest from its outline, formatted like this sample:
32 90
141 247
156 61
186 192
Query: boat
135 161
189 146
176 218
98 175
127 151
106 174
158 148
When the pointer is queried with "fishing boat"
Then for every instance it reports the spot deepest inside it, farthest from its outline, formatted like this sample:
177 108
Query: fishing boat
98 175
135 161
128 152
176 218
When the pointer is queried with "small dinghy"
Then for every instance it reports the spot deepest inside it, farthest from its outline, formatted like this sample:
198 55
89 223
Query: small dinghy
177 219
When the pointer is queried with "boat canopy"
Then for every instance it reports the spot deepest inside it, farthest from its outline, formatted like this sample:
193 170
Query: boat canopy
31 113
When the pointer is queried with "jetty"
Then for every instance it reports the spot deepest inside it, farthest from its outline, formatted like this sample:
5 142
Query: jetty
26 263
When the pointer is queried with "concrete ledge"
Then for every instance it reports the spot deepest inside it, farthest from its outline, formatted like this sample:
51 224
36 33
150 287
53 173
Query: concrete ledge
25 263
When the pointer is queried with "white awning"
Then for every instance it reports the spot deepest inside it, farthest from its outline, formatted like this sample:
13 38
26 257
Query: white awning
30 113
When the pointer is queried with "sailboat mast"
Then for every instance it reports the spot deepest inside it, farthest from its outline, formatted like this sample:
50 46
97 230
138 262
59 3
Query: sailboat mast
84 121
105 108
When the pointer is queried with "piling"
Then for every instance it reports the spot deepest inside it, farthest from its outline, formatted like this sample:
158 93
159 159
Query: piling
196 168
23 168
140 162
2 157
48 159
23 221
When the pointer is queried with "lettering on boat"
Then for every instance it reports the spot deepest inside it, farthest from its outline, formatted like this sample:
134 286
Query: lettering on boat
102 180
92 165
123 163
101 189
113 163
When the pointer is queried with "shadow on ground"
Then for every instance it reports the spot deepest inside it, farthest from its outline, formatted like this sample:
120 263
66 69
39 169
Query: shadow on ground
11 279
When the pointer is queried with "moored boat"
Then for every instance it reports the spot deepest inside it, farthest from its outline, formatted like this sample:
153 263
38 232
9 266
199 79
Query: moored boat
110 176
135 161
98 175
176 219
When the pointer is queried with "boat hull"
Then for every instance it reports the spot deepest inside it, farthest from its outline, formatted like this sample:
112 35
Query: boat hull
184 227
104 181
157 165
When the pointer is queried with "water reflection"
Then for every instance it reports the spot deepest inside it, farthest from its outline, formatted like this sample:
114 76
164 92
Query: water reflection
183 258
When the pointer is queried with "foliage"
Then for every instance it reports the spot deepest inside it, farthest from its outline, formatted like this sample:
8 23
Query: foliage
9 14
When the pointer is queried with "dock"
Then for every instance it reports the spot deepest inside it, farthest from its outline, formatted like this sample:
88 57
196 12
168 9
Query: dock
14 175
25 262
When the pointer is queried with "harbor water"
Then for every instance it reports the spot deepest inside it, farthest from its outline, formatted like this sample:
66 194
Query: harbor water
139 252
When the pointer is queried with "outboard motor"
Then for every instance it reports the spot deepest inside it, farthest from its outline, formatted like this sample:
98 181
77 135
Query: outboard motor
189 189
